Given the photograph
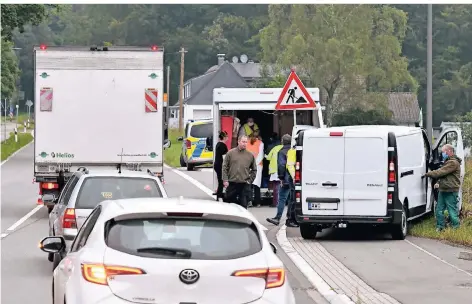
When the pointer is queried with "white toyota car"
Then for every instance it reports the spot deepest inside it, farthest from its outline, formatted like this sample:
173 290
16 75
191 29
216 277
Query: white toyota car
162 251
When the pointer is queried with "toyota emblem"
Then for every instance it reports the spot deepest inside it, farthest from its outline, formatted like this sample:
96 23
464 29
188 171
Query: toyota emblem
189 276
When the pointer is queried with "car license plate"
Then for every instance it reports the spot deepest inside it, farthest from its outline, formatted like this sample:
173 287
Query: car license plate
322 206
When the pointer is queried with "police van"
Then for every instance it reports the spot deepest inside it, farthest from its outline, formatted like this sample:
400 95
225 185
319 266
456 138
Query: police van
366 175
195 148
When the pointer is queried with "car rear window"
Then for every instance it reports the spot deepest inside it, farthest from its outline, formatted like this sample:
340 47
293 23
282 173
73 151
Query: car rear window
203 239
97 189
201 130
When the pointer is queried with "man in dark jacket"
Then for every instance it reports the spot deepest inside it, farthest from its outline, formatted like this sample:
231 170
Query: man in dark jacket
239 171
449 184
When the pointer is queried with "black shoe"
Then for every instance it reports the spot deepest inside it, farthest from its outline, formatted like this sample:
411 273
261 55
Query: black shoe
291 224
274 221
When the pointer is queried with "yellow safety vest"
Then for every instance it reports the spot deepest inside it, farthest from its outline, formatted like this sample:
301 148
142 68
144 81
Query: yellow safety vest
272 158
291 160
248 130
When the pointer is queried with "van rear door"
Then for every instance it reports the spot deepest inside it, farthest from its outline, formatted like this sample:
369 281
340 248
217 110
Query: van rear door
323 172
365 174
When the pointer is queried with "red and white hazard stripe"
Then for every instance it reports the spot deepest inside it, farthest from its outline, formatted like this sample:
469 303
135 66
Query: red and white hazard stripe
150 100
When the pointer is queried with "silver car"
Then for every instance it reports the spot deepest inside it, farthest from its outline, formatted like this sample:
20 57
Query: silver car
85 190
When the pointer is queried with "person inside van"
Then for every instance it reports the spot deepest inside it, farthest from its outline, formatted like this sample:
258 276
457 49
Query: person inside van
256 147
248 128
220 150
449 185
273 176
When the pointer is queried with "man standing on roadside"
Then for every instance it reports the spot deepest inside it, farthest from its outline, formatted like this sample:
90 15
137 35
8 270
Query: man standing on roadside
286 159
239 172
449 185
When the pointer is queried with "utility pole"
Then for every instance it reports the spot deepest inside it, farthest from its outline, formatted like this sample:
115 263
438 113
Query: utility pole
429 64
181 96
168 96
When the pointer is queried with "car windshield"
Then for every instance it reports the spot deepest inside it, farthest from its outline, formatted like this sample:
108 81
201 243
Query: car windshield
97 189
201 130
184 238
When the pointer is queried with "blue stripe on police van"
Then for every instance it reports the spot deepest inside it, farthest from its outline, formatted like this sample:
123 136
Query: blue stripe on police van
200 146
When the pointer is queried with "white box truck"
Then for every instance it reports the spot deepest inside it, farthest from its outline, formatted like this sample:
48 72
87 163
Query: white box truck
96 107
230 104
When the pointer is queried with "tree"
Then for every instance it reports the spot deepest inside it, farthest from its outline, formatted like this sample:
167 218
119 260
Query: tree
465 122
10 70
360 116
344 49
18 15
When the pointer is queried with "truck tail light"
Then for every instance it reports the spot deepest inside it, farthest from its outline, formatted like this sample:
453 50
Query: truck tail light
49 186
69 221
335 133
42 47
40 194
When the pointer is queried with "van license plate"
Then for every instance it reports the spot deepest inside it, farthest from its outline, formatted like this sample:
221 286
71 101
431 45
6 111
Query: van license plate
322 206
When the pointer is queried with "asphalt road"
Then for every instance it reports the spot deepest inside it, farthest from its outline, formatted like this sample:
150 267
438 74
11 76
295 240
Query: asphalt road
25 271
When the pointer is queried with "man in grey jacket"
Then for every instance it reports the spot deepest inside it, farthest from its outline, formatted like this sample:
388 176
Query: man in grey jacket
239 171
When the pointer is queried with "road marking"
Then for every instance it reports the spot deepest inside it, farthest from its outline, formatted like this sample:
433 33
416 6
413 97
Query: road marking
13 227
21 149
201 187
438 258
323 288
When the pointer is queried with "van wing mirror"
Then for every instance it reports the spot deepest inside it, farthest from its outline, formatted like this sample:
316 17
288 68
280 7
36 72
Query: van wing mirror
180 138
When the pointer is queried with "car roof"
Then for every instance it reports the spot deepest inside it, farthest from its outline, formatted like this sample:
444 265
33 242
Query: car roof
115 173
117 208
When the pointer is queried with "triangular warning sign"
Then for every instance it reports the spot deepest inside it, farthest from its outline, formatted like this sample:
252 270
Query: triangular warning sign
294 95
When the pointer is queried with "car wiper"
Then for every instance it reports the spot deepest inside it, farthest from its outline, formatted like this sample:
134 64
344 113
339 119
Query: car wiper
168 251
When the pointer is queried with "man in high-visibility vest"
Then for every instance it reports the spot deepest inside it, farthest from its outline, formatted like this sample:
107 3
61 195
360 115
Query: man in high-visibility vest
273 176
286 158
248 128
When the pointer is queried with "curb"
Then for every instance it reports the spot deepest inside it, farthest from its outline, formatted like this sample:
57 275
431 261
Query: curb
323 288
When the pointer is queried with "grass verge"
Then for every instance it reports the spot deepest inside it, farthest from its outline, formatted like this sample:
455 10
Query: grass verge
461 236
9 146
172 154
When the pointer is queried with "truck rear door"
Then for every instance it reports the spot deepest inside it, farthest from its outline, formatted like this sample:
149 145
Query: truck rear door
365 173
323 172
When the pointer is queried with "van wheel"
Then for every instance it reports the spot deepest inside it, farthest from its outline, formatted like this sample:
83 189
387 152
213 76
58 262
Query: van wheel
182 161
400 231
308 231
190 167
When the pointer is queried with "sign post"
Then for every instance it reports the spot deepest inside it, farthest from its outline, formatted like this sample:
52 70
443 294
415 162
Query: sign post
29 104
17 107
294 96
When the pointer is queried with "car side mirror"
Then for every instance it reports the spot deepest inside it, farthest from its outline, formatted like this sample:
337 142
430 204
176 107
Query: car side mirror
48 198
274 249
180 138
167 144
52 244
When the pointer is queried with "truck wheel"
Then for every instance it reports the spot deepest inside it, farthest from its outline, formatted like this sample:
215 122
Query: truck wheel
400 231
182 161
308 231
190 167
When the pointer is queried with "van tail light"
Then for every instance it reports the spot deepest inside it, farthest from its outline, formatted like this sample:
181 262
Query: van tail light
274 277
390 198
297 173
298 197
99 273
391 172
188 144
69 221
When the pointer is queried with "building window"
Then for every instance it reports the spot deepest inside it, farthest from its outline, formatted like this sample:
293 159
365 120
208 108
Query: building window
186 91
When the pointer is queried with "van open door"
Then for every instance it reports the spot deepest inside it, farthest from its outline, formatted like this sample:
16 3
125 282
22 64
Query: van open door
452 136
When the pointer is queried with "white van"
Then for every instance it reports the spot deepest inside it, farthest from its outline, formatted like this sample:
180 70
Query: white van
366 175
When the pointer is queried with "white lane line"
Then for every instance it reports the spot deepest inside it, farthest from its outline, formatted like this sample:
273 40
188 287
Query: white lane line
323 288
18 151
200 186
13 227
439 259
